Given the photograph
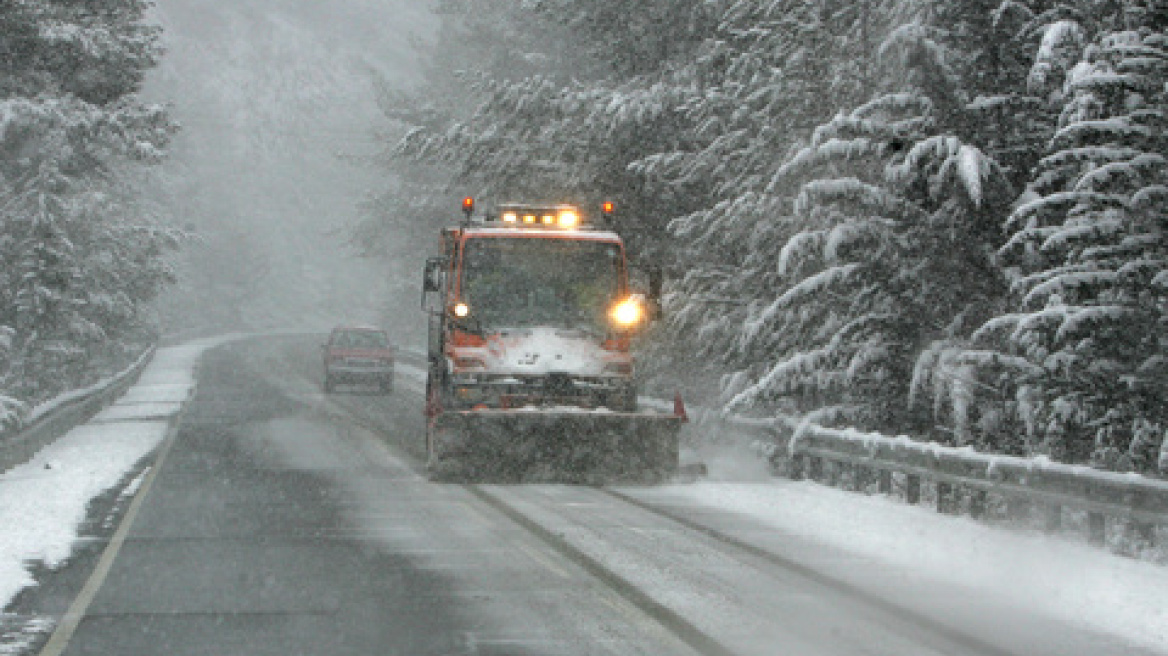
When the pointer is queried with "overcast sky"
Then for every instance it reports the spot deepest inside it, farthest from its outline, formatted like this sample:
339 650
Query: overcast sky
278 109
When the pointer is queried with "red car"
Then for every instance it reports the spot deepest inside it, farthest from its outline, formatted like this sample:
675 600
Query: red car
358 354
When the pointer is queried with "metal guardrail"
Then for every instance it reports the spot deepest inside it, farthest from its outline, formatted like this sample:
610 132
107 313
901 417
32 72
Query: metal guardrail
962 479
20 446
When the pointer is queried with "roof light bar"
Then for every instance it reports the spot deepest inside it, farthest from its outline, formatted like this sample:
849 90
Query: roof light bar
564 217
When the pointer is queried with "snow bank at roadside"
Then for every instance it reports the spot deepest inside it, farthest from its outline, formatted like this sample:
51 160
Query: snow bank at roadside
1065 579
44 501
53 404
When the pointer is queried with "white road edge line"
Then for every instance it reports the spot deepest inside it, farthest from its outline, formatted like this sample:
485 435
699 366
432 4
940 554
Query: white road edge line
59 641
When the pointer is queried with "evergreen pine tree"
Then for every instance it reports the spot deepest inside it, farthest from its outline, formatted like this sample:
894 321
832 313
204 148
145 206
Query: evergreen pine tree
1088 249
79 259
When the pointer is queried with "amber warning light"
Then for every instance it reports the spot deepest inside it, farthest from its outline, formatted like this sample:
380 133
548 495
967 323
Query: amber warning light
538 216
468 205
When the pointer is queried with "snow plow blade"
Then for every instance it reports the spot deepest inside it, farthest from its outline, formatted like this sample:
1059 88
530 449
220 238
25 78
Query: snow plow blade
560 446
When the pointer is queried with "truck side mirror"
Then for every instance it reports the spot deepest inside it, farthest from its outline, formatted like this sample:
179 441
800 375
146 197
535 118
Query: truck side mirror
432 278
432 283
650 280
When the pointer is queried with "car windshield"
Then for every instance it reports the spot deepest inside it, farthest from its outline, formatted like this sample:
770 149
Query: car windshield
523 282
360 339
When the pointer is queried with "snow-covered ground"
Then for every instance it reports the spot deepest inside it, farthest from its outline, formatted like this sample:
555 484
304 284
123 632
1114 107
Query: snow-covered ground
44 501
1052 575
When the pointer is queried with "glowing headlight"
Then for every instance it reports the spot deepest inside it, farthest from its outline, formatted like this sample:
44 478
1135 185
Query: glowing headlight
510 217
569 219
627 313
461 310
529 218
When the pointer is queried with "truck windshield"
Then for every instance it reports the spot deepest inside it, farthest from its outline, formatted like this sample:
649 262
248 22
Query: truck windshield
540 281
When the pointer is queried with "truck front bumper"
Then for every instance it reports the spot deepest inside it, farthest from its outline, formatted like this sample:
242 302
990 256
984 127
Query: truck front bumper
505 392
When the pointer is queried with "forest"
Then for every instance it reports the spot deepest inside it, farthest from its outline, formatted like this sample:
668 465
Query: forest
919 217
81 256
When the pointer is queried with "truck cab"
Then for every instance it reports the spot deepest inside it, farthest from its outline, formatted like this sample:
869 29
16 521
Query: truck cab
531 306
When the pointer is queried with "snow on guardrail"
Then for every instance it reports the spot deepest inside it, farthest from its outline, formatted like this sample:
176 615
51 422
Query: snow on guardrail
804 449
53 418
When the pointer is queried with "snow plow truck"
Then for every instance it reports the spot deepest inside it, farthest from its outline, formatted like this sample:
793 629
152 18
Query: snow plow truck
530 370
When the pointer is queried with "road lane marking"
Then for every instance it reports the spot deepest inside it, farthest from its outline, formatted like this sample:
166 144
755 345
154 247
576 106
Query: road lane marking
535 555
63 634
671 622
874 600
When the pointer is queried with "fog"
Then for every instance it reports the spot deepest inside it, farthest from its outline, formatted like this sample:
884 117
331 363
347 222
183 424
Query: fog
278 106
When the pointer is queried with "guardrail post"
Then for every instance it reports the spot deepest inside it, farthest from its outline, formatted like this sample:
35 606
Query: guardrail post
978 502
912 489
885 481
1096 529
945 498
831 470
1054 517
815 469
861 478
1145 532
798 467
1018 508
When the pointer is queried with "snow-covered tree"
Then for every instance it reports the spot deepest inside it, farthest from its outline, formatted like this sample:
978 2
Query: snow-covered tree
835 288
479 42
554 104
1088 254
79 258
879 198
769 73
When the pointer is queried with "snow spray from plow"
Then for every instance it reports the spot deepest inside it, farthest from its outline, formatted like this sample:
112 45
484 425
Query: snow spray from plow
567 445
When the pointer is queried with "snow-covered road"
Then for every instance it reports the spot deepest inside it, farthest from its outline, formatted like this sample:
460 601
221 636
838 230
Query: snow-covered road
750 564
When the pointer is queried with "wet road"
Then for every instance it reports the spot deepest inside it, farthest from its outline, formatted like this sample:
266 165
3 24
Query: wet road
277 526
285 521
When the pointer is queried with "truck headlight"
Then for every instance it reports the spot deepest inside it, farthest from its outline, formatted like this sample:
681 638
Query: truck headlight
627 313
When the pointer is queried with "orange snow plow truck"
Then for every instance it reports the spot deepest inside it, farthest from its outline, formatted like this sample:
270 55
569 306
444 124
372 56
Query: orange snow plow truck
531 318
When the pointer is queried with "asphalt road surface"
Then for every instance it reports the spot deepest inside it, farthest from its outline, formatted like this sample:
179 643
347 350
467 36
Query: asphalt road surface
284 521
